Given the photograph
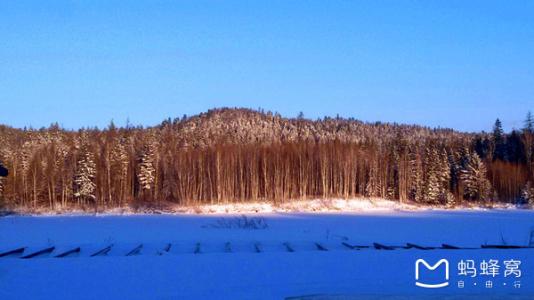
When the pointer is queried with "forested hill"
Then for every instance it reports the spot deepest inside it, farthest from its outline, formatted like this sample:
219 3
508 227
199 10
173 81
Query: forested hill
227 155
245 126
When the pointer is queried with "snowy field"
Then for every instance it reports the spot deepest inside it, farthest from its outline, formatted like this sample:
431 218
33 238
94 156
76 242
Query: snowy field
266 256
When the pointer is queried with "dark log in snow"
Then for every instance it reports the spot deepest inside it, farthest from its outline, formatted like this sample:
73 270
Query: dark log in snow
197 249
288 247
13 252
40 252
382 247
410 246
258 248
320 247
102 252
354 247
69 252
502 247
135 251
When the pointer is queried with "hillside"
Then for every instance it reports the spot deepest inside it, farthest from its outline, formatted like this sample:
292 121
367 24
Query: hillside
227 155
245 126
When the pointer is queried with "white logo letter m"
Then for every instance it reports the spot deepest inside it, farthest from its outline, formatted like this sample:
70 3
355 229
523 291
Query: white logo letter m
431 268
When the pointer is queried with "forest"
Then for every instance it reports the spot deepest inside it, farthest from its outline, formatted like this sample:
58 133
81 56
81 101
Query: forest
239 155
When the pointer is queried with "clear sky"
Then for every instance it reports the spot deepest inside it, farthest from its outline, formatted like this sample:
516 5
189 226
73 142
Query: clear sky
458 64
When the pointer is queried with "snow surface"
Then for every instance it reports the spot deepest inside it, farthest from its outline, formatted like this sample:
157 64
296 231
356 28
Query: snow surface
274 273
355 205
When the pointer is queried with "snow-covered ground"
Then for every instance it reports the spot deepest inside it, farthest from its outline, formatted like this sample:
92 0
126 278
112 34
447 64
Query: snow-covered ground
355 205
277 255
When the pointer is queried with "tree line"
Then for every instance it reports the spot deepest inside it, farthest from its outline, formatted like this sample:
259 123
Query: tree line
240 155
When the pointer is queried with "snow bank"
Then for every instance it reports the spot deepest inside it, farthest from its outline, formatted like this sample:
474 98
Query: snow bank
316 205
356 205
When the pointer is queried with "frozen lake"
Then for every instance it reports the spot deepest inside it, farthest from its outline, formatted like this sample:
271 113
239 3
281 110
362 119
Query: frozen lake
276 256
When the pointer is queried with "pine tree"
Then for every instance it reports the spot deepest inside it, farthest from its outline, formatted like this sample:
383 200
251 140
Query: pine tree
473 178
529 123
455 158
515 148
527 194
85 175
432 185
120 163
482 146
147 171
528 141
416 176
444 178
499 146
26 153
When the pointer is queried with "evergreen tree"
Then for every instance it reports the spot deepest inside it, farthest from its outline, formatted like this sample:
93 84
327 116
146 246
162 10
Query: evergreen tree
529 123
147 171
432 185
527 194
482 146
415 188
444 178
85 175
120 163
499 147
473 178
528 141
515 148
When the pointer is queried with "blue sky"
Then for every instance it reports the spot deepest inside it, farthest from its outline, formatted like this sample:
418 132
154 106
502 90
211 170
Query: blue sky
458 64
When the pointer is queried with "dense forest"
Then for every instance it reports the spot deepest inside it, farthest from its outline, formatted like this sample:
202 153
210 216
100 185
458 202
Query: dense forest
237 155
